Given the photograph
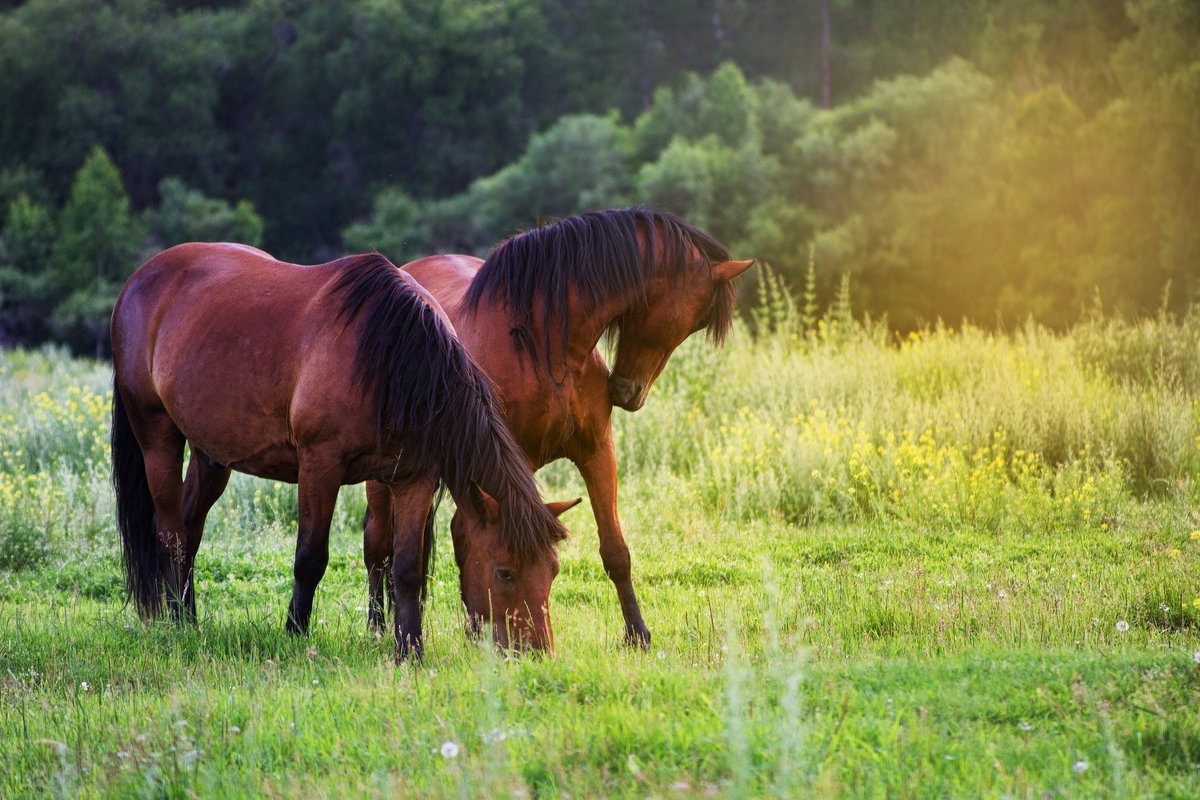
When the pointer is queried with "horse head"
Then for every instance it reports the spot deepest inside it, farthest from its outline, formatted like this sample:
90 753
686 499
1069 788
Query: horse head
676 307
498 586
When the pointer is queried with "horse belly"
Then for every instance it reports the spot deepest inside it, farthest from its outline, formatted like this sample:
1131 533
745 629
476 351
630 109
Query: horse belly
277 463
248 445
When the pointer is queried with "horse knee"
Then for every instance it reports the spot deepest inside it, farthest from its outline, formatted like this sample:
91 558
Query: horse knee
310 565
616 561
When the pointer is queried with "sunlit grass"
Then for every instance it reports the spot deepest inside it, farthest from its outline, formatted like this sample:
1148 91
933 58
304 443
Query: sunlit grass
962 564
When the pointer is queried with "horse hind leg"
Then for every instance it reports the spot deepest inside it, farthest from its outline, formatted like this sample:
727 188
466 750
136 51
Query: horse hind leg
162 452
377 555
205 483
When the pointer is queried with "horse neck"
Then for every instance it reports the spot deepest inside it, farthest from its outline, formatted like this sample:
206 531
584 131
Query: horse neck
481 329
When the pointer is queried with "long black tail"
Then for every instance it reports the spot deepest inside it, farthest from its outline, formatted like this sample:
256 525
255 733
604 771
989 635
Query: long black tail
135 516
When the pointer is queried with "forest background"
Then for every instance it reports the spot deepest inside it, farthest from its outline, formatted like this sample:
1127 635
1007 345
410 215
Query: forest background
997 160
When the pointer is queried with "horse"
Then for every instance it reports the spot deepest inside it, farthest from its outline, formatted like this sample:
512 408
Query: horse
321 376
532 315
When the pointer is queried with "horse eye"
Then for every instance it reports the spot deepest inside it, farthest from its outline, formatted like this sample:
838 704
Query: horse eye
505 575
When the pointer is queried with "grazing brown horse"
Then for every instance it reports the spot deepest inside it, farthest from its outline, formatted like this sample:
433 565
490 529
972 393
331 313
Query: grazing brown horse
320 376
531 316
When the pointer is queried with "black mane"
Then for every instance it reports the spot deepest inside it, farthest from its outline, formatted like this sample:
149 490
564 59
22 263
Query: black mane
598 254
429 392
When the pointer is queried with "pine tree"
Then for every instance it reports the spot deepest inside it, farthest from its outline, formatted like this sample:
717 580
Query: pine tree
98 239
25 244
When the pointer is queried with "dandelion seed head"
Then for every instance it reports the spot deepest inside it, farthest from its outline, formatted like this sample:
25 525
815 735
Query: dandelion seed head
1122 625
1079 766
450 750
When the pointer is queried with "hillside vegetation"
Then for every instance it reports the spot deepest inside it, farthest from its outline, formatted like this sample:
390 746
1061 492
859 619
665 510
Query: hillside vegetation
1001 160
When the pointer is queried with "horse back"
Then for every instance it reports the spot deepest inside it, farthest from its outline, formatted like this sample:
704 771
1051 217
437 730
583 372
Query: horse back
447 278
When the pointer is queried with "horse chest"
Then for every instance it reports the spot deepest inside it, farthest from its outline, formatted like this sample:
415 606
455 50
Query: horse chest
541 426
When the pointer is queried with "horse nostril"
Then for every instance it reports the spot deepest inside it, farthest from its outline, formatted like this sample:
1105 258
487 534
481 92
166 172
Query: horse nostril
624 393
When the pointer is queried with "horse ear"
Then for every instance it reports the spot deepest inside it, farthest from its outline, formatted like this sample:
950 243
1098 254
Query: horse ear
486 506
561 506
728 270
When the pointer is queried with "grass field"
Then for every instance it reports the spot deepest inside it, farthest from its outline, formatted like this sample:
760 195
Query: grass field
958 564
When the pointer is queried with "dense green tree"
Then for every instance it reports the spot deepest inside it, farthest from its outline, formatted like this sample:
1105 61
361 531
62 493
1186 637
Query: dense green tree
186 215
130 76
709 183
993 158
26 241
96 249
398 228
580 163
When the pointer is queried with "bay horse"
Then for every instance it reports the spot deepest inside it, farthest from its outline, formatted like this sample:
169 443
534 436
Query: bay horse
320 376
532 314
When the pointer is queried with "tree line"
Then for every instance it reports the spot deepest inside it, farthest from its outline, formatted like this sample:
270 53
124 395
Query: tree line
995 159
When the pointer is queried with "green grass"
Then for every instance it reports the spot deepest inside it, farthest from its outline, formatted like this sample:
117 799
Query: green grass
960 565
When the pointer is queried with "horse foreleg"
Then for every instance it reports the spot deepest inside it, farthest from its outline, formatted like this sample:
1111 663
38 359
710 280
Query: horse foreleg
318 484
599 470
474 622
377 553
205 482
412 547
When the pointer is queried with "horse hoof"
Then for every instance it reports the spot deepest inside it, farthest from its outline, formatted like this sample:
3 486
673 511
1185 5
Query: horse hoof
639 638
410 652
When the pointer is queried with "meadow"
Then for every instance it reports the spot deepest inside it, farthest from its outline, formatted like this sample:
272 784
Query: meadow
957 563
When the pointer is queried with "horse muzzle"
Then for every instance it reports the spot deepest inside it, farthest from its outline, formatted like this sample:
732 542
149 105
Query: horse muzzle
522 634
625 393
